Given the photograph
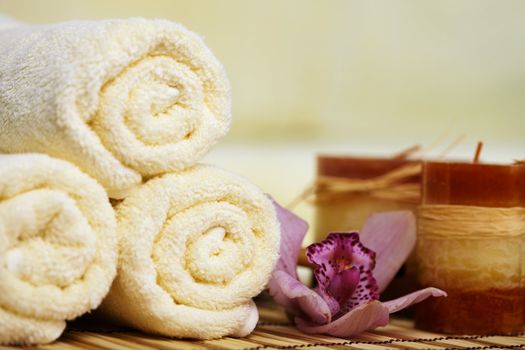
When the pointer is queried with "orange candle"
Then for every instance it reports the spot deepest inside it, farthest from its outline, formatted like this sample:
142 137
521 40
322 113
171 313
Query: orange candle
471 235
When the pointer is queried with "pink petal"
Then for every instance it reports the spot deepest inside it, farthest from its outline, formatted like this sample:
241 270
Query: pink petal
298 298
284 285
392 236
293 230
413 298
366 316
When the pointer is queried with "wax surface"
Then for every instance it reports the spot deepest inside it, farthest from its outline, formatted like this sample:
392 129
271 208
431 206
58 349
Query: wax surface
486 185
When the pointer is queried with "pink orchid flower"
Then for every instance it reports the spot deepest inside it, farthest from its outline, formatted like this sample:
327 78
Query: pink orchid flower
351 270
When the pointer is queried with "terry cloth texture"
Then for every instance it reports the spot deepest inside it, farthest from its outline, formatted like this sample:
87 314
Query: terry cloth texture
124 100
58 247
195 247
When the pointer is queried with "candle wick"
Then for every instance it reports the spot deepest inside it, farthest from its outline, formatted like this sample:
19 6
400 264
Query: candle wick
478 152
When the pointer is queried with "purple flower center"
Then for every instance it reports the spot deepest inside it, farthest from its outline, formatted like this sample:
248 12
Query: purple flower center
343 270
343 284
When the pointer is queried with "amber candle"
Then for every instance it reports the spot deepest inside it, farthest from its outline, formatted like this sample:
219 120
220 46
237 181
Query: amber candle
471 231
348 209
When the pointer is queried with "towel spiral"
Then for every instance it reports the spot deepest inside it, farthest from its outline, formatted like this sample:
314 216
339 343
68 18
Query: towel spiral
58 247
162 111
122 99
192 259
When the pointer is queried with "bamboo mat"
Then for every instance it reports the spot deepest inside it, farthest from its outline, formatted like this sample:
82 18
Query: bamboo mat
276 332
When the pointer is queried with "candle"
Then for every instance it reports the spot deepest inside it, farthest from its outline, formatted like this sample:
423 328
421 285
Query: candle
471 231
349 189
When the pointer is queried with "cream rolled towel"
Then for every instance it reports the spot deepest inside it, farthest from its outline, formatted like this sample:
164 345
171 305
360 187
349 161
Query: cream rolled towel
195 247
58 247
122 99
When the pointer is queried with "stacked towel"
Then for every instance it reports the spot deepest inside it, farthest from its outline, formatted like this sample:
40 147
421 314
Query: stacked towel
195 248
121 99
58 247
135 104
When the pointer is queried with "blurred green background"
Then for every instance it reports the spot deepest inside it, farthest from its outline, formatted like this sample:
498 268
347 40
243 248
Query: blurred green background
355 77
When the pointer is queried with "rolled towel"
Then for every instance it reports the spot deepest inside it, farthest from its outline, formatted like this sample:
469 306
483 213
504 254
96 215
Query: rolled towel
58 247
121 99
195 247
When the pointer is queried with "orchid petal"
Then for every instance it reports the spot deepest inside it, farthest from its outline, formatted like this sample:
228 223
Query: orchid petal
293 230
298 298
413 298
364 317
392 236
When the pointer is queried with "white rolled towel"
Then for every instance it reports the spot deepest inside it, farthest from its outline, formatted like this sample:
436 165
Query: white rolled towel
58 247
195 247
122 99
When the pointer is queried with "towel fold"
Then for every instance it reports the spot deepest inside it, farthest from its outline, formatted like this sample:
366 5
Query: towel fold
195 247
58 247
121 99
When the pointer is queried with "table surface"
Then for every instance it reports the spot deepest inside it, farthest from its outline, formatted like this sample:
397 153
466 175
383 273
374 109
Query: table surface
275 331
